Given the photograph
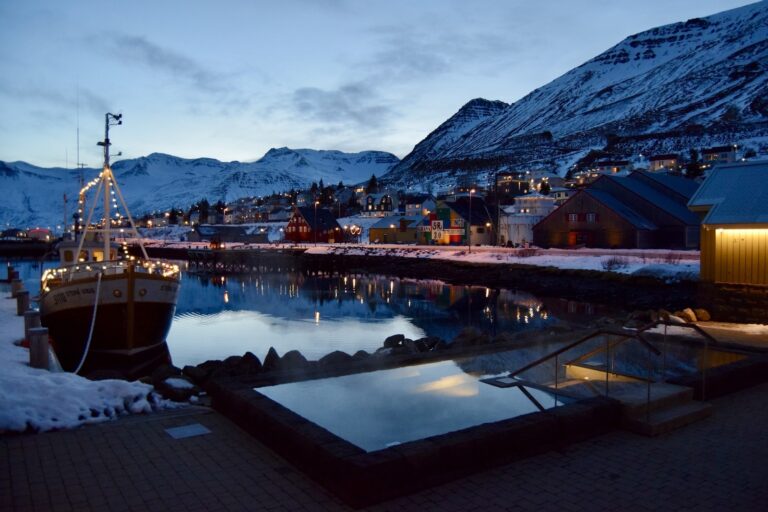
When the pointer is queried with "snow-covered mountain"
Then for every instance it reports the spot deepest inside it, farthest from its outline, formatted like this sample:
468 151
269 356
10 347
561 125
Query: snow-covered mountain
158 181
680 86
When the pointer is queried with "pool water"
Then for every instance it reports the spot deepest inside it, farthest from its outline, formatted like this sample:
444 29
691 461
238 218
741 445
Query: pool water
376 410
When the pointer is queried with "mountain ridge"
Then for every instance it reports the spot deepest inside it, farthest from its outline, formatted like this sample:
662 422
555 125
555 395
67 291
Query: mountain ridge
160 181
675 80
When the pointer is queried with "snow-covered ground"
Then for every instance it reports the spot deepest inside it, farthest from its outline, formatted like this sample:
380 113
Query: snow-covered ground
669 265
39 400
665 264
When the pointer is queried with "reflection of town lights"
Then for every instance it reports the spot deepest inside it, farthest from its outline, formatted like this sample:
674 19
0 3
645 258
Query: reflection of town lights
317 317
226 297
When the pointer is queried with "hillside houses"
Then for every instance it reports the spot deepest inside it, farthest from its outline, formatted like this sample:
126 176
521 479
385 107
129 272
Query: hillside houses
719 154
665 162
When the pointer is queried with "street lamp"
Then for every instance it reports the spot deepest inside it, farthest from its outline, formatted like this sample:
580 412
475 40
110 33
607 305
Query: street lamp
469 224
314 228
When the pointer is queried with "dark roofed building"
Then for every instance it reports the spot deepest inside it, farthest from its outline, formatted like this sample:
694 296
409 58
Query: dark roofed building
719 154
642 210
311 224
221 233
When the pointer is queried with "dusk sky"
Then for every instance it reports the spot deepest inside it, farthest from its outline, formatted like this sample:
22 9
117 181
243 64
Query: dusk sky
233 78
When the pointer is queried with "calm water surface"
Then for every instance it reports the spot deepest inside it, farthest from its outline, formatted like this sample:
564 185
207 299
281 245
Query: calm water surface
317 314
220 316
411 403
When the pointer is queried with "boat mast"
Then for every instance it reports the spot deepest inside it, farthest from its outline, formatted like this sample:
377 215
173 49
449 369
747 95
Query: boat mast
106 177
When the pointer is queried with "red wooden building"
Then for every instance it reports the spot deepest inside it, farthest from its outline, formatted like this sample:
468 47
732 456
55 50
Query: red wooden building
309 224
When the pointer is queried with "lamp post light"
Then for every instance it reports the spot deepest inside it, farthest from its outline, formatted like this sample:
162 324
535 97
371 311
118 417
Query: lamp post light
469 224
314 228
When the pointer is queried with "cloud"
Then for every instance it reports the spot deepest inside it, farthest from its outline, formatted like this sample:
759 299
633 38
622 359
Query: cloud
88 100
142 51
353 104
416 52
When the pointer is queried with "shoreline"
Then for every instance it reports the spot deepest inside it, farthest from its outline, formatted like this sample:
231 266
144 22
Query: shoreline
622 290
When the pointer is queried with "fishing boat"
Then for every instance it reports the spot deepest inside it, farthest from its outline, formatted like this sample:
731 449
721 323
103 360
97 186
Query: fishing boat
104 310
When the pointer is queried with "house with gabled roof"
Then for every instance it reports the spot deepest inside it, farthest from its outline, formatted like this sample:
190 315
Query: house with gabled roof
642 210
379 204
733 204
312 225
417 204
453 221
398 229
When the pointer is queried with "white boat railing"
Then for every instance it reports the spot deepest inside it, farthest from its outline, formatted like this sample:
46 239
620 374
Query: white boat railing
87 270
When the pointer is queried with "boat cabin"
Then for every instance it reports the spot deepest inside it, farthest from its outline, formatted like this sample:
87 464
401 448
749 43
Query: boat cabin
91 251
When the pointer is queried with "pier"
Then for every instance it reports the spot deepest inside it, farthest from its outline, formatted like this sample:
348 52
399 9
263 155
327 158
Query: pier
241 261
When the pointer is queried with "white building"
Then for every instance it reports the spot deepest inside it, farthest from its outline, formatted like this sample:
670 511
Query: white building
516 222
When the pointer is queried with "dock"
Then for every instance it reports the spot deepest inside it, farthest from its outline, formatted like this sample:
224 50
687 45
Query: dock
244 260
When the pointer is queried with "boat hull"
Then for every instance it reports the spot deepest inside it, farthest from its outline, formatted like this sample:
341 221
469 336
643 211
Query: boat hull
133 315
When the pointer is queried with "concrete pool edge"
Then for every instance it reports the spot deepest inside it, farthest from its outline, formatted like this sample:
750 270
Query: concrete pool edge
362 478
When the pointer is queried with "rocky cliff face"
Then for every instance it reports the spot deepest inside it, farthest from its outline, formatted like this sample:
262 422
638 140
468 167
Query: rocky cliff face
686 85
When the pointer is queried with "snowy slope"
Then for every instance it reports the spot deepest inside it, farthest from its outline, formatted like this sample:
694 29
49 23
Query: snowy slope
707 73
159 181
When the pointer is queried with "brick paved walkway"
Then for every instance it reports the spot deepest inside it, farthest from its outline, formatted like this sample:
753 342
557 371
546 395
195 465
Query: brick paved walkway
718 464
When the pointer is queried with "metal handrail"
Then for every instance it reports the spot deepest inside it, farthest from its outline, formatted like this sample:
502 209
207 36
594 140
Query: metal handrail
584 339
624 335
707 339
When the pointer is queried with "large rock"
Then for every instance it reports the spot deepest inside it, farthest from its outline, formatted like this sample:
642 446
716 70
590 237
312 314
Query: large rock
272 361
198 374
702 314
394 341
249 364
360 355
164 371
335 358
293 360
427 343
232 362
177 388
688 315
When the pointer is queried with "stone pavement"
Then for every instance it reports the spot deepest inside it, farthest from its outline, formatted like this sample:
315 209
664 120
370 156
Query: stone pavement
720 463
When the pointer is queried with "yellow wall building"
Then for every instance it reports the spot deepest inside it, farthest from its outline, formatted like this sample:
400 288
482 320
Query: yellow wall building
734 232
